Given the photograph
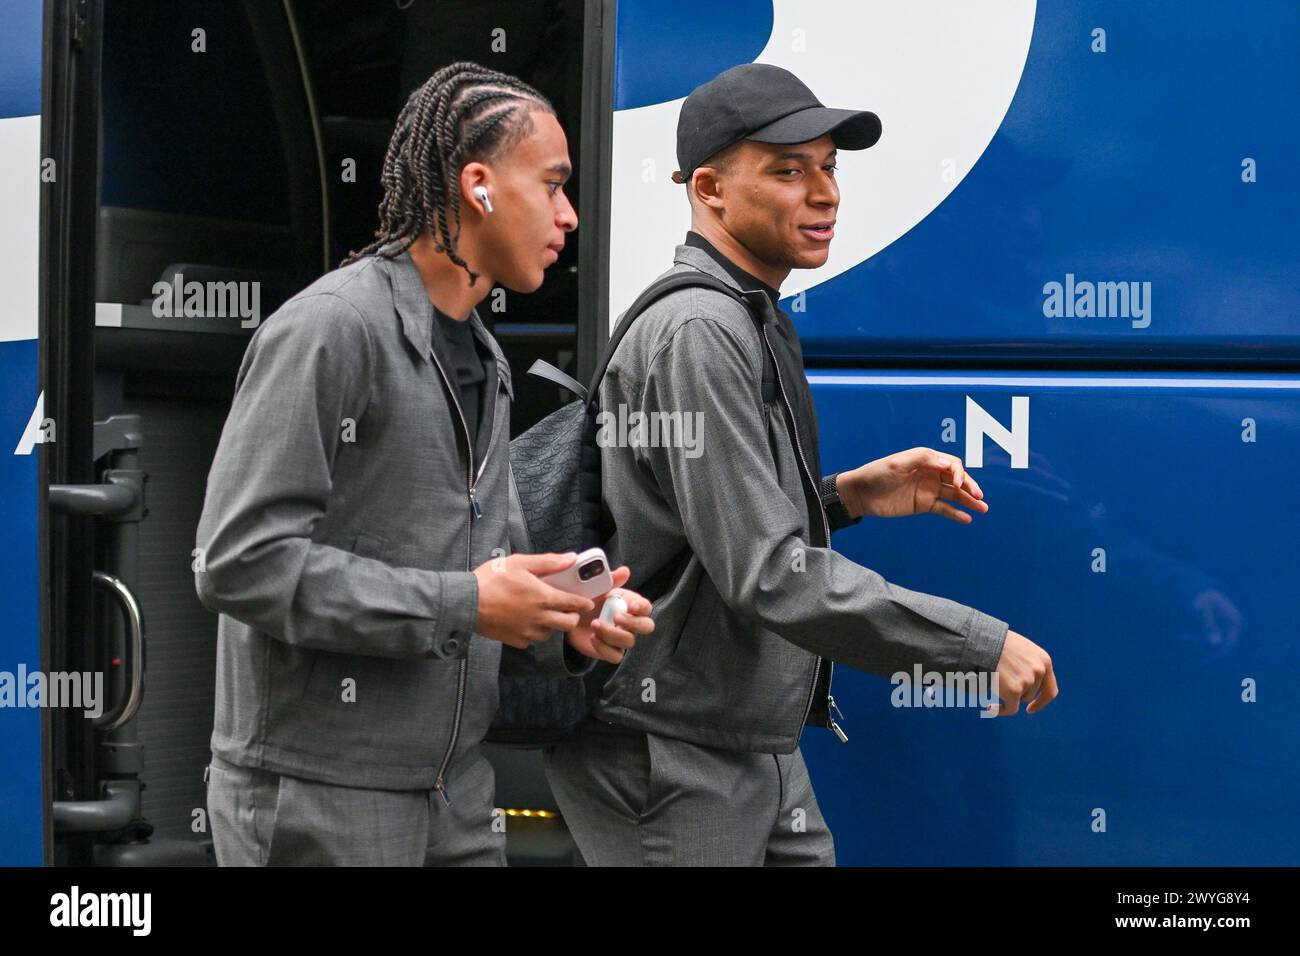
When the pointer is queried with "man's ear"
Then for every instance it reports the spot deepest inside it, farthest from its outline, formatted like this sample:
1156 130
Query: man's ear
472 175
706 187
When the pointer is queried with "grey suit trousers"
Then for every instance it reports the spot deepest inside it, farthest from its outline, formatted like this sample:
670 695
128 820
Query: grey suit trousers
260 818
639 799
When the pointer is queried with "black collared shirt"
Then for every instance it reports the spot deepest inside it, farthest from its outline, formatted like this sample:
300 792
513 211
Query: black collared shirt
458 352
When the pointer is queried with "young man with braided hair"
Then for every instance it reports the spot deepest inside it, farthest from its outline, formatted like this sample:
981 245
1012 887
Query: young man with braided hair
358 513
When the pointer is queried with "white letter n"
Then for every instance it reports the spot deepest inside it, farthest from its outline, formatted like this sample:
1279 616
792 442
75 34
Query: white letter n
1014 442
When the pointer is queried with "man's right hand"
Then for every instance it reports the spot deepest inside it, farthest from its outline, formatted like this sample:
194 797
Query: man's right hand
516 607
1024 674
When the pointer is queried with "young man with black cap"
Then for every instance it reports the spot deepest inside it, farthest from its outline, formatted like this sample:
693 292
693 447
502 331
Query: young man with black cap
692 755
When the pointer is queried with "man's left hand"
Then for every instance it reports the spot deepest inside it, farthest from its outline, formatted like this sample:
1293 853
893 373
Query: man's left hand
609 642
912 482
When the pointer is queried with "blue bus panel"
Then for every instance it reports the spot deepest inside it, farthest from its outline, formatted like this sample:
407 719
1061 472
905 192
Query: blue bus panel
1135 203
1138 530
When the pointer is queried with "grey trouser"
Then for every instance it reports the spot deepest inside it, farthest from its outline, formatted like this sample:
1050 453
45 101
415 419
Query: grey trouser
260 818
636 799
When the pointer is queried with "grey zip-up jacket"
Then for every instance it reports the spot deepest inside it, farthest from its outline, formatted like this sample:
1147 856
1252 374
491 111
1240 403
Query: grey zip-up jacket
746 633
339 536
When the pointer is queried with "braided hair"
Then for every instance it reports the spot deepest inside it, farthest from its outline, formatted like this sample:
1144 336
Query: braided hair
463 113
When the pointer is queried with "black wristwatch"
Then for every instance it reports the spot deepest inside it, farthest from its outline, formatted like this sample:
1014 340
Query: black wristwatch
836 514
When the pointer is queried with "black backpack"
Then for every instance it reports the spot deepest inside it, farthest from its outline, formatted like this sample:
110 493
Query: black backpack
557 480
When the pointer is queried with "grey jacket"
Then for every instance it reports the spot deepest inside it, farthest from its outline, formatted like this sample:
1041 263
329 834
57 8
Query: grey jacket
736 660
338 539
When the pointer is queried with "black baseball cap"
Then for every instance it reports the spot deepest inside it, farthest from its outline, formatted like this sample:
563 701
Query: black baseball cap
765 103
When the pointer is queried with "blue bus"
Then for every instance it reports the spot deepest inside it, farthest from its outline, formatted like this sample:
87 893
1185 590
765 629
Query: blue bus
1072 260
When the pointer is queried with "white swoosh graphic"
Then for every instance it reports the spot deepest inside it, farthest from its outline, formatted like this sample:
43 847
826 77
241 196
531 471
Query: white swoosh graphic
941 75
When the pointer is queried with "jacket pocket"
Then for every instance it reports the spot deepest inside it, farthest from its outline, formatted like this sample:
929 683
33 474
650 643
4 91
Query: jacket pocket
700 627
323 682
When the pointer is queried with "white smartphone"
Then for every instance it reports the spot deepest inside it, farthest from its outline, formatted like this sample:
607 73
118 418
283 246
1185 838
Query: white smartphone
588 577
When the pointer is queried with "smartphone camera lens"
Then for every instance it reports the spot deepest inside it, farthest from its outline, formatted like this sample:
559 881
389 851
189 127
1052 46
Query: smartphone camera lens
590 570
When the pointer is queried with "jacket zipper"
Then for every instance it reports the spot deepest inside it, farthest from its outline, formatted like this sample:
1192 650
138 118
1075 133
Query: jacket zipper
832 706
826 531
475 512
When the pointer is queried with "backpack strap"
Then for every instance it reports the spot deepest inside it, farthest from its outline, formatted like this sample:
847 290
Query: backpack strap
652 293
760 312
760 309
544 369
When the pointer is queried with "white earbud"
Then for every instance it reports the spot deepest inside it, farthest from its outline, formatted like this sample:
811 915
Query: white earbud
613 605
482 195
